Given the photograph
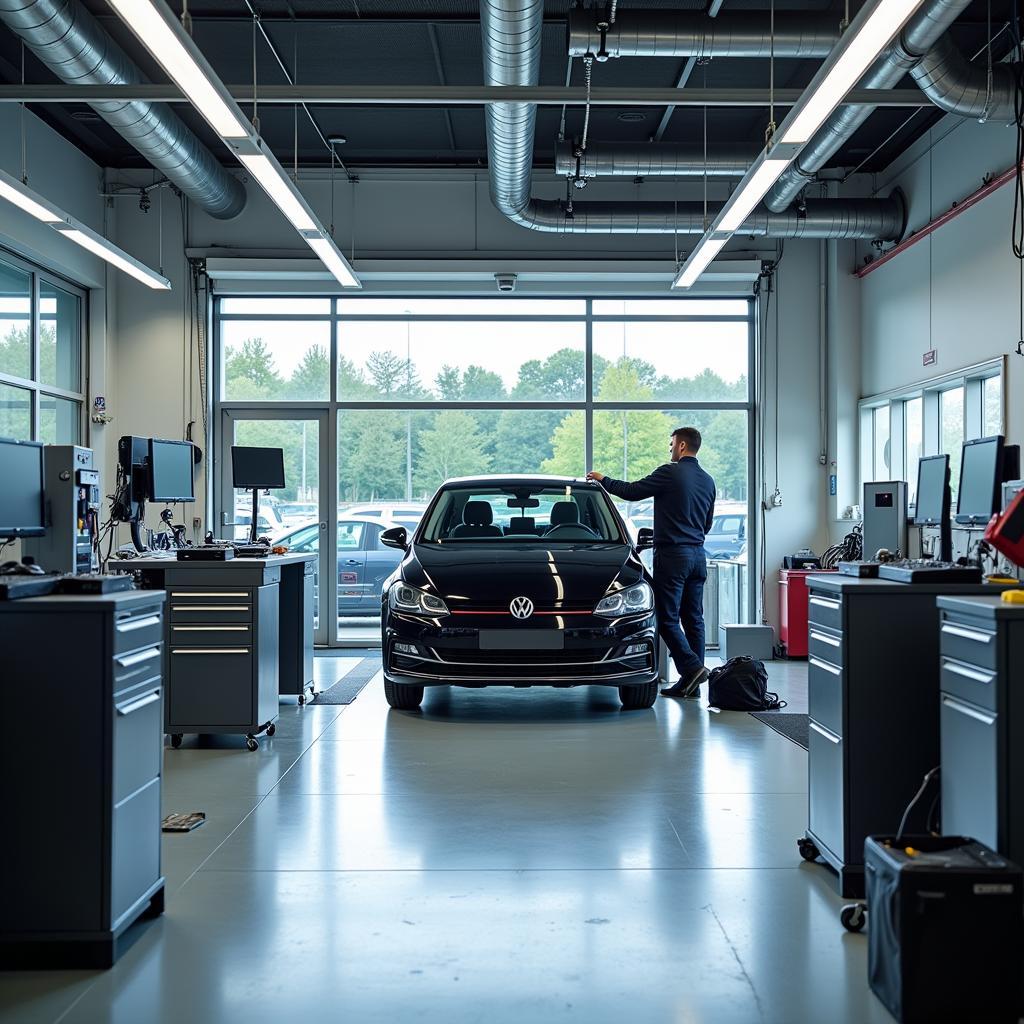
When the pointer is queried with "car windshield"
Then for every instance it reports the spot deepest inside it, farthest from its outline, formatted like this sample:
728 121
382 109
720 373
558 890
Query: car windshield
522 513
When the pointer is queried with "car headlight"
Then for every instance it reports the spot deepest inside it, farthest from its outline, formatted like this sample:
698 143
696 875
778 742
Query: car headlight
639 598
404 598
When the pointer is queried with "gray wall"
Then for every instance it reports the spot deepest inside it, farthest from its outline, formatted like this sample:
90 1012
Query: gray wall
958 290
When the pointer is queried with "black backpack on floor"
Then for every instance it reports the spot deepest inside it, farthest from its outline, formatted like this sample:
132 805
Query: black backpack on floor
741 684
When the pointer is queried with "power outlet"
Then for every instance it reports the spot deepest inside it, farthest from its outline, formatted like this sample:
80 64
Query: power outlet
773 500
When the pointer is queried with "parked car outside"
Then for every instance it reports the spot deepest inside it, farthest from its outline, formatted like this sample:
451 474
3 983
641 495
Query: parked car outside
292 513
268 521
404 513
363 562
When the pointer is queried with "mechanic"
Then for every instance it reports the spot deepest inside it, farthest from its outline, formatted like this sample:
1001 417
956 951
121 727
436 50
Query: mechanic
684 506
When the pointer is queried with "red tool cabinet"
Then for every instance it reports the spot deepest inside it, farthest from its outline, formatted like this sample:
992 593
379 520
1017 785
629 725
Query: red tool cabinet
793 610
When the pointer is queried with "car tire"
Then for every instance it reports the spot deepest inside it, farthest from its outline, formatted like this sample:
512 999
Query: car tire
402 696
636 697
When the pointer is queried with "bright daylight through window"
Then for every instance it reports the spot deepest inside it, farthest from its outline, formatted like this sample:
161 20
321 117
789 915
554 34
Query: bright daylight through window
428 389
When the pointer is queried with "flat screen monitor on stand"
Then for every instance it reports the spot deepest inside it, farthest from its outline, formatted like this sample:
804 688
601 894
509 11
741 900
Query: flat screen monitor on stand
933 501
22 500
151 469
257 469
981 479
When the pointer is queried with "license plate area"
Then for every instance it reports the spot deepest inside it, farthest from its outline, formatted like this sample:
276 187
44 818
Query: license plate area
522 640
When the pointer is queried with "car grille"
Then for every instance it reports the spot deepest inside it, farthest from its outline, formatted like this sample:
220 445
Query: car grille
520 666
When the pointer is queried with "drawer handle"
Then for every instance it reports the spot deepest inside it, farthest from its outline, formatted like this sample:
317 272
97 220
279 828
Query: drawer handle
211 607
825 639
968 634
128 625
967 673
138 703
830 736
824 602
212 650
965 709
210 629
825 666
209 593
128 660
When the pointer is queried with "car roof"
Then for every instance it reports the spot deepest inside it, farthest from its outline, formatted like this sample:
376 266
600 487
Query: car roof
518 478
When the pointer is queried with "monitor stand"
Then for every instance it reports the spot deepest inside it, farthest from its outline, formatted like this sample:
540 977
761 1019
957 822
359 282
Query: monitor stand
254 525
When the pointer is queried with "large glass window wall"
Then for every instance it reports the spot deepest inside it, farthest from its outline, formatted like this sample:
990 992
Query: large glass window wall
408 392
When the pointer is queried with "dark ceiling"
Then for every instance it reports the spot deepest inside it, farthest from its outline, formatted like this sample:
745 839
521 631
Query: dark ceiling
430 42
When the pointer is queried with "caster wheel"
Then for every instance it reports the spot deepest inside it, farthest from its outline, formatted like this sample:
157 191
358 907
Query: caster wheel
807 849
176 739
271 729
251 743
302 699
853 916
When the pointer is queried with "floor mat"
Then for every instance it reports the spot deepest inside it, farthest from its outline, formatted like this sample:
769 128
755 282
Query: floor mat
794 727
348 687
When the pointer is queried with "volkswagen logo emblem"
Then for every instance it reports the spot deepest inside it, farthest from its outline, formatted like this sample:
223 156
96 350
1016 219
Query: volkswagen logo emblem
521 607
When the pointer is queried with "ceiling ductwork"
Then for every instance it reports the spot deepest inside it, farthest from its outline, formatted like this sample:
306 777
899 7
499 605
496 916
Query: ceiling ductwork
957 87
71 43
690 34
918 37
511 53
651 160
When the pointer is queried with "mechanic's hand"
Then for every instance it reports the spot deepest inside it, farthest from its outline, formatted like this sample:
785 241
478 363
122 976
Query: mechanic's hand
594 475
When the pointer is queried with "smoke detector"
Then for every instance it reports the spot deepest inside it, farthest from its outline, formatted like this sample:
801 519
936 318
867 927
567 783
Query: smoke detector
505 282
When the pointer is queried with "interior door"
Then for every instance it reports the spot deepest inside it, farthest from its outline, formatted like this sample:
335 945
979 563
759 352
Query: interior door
298 514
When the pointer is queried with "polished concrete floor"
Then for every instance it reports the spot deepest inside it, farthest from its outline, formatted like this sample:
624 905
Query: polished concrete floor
503 855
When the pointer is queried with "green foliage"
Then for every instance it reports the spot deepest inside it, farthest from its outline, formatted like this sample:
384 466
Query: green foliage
452 447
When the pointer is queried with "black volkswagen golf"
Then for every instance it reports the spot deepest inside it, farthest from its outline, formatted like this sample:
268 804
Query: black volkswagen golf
519 581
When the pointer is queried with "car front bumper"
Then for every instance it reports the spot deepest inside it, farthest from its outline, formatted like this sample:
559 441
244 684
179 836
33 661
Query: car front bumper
593 651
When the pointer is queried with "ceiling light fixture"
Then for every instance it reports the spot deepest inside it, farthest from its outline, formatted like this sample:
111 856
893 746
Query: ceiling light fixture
869 33
160 32
16 192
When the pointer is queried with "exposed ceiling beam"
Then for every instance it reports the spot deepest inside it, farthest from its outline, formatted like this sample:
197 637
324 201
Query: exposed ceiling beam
451 95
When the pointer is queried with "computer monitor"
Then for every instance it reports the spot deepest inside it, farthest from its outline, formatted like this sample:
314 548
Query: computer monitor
933 494
170 476
981 476
22 499
260 468
933 500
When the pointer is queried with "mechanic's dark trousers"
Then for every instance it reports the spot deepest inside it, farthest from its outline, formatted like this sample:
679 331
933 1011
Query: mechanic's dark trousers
679 577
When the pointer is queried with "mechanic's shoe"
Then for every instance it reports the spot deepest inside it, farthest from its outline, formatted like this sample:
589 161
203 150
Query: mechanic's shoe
687 688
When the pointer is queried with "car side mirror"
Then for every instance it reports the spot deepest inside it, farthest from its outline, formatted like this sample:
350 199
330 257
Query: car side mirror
644 539
396 537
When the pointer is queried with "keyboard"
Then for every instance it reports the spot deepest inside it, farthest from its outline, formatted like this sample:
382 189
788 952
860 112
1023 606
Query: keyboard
864 570
925 570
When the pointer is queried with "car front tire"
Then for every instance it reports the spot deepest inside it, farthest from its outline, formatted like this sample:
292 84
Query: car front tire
634 698
405 697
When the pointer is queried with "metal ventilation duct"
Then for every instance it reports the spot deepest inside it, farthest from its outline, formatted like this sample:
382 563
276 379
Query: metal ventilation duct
919 35
69 41
511 47
652 160
958 87
690 34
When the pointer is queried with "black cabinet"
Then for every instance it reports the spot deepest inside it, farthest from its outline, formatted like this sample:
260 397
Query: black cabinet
81 796
981 708
873 683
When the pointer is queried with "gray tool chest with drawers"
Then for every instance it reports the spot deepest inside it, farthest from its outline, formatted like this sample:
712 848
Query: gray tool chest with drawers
872 692
222 644
981 714
82 794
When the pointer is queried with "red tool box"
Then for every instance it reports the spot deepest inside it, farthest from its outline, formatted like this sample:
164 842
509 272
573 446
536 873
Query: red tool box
793 610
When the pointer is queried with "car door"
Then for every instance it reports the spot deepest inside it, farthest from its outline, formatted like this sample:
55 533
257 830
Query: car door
351 566
381 562
306 541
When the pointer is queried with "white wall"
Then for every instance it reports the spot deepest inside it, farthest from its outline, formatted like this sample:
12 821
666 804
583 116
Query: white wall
958 290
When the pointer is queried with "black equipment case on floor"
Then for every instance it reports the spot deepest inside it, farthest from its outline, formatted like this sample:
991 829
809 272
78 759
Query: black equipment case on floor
945 930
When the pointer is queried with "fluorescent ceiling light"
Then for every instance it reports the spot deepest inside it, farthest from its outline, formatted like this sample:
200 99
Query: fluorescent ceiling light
707 249
21 195
183 67
332 259
116 257
275 183
859 53
751 191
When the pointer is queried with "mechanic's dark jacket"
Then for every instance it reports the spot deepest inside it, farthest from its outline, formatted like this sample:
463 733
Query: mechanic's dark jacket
684 501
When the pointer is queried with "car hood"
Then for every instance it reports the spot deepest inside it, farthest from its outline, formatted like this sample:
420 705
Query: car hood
471 577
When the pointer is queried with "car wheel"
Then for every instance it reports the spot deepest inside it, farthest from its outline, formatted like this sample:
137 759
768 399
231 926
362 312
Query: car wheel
635 697
402 696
